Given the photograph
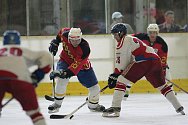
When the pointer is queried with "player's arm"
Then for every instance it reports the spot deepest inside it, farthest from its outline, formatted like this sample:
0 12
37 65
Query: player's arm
54 44
41 59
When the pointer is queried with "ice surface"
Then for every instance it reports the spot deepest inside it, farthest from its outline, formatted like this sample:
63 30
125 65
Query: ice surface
139 109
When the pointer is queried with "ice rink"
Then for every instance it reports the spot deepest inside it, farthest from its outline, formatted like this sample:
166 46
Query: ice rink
139 109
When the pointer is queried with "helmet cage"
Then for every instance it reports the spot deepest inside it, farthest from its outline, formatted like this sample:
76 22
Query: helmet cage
153 28
75 36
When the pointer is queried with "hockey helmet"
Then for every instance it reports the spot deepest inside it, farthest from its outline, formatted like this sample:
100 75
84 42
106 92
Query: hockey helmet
75 35
153 27
117 15
119 28
11 37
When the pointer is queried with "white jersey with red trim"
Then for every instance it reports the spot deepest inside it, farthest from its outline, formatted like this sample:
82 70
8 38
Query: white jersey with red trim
15 61
131 49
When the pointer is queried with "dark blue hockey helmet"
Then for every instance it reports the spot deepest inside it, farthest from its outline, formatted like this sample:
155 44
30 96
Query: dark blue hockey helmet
119 28
11 37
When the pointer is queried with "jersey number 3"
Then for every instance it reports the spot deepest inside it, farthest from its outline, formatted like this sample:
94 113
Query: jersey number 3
117 59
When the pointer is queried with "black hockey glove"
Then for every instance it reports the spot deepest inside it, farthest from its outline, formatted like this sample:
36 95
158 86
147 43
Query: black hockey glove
62 74
37 76
112 79
53 48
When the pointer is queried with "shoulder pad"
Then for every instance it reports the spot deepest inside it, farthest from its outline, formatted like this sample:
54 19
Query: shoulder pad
161 41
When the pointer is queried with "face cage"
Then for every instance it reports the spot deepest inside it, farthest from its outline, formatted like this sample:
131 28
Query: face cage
152 32
75 41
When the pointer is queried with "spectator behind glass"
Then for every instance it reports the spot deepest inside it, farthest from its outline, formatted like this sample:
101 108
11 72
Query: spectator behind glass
117 17
169 25
49 30
185 28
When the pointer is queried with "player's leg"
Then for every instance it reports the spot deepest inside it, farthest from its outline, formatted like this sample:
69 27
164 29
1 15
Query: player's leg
133 73
25 93
170 96
114 110
157 78
60 89
169 77
88 79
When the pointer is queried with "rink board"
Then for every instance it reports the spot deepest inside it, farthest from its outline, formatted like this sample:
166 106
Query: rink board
75 88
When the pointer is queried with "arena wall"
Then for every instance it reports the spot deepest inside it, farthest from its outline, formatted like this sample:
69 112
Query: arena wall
102 56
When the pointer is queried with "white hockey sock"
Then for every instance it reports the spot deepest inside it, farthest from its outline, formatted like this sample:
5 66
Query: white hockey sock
173 100
36 117
118 94
93 97
60 90
169 94
117 98
40 122
121 86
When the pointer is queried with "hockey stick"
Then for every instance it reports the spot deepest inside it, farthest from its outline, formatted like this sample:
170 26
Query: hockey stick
70 115
177 86
47 97
7 102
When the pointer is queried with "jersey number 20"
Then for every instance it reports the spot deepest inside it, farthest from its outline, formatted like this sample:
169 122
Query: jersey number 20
14 51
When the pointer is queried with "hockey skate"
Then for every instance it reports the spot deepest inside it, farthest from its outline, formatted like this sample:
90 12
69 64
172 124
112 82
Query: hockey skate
112 112
180 110
53 108
98 108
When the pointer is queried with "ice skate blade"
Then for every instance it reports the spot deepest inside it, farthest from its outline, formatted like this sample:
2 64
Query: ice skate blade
53 111
111 115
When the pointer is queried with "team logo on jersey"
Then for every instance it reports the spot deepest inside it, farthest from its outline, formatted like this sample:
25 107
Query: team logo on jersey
155 50
66 49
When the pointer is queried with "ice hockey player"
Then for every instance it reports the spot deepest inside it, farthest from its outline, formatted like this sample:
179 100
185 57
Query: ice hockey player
73 62
15 76
134 59
152 38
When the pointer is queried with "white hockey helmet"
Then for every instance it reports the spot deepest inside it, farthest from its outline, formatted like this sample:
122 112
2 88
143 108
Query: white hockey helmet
117 15
75 35
153 27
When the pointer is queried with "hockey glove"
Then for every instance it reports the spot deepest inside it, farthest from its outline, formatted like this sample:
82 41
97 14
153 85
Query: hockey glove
53 48
112 79
61 74
37 76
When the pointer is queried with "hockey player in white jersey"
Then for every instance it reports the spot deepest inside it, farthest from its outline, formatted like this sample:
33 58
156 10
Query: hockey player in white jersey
15 77
152 38
134 59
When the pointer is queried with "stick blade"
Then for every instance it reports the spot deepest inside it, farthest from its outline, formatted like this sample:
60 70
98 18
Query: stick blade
49 98
61 116
57 116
